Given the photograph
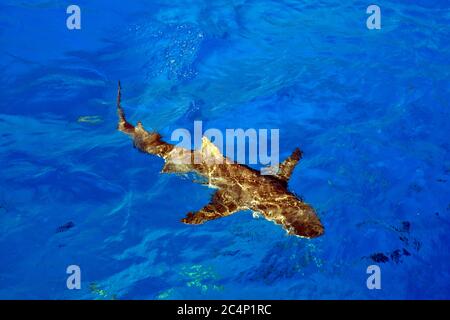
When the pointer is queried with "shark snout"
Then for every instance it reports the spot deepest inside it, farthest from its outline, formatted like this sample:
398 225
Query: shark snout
306 225
314 230
307 230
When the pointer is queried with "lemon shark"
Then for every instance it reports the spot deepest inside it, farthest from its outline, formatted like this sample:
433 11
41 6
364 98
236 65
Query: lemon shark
239 187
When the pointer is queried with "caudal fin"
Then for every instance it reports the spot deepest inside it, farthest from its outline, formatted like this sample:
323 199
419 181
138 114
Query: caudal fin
148 142
123 125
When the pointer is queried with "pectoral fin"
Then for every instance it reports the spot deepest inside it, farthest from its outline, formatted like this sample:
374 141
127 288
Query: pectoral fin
221 205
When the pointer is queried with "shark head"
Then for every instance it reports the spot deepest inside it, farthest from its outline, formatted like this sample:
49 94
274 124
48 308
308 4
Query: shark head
303 222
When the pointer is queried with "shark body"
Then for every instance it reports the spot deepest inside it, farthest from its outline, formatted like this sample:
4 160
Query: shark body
239 187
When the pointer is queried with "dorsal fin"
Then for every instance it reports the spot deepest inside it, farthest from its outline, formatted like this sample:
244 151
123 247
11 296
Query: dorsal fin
288 165
211 152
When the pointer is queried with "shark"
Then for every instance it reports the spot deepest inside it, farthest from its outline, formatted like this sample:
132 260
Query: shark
238 186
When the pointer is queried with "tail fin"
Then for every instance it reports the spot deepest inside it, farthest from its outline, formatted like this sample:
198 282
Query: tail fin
123 125
148 142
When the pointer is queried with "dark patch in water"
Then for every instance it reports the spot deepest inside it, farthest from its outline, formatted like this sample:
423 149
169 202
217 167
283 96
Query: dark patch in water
396 256
379 257
415 187
404 239
416 244
405 227
65 227
230 253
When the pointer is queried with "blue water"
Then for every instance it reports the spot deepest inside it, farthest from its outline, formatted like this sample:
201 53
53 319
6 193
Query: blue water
369 108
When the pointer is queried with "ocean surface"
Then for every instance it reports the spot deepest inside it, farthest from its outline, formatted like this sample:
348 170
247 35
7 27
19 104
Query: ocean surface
369 108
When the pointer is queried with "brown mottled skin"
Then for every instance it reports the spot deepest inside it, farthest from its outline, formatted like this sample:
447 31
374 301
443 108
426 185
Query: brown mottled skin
239 186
